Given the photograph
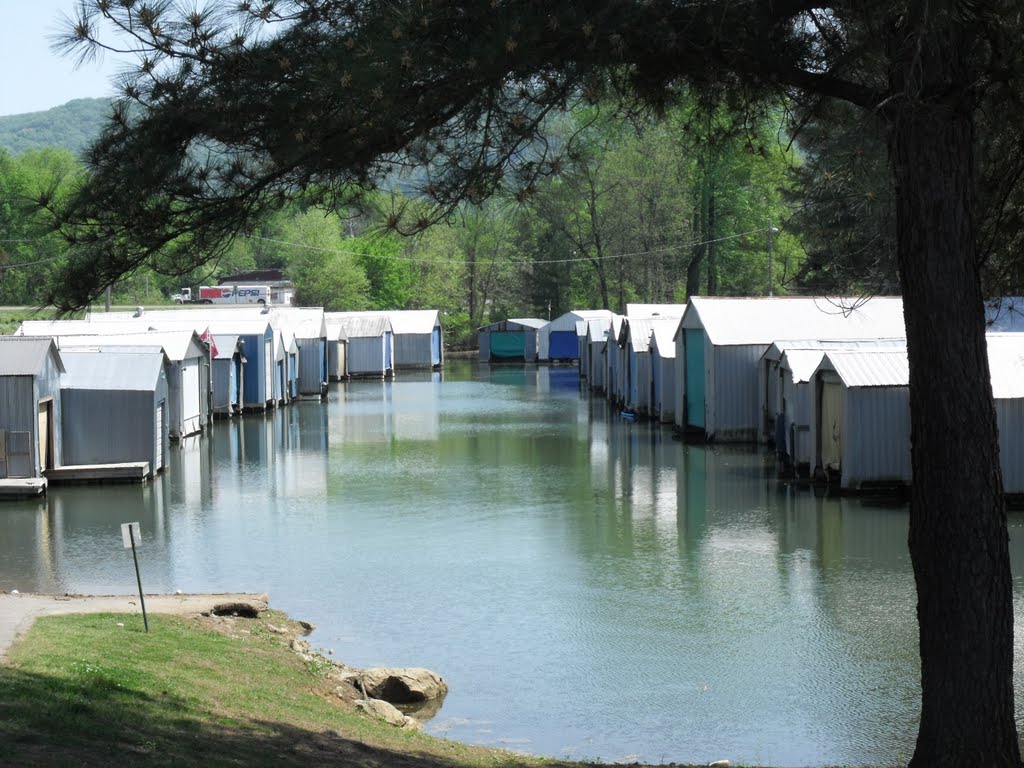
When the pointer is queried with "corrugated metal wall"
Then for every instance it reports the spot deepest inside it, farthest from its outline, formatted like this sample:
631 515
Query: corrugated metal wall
336 360
665 387
735 407
611 369
598 369
644 382
876 436
799 421
48 386
414 350
437 346
311 366
366 356
222 385
680 383
109 427
19 412
1010 419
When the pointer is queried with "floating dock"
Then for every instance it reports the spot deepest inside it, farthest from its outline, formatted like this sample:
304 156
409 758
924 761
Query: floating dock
128 472
22 488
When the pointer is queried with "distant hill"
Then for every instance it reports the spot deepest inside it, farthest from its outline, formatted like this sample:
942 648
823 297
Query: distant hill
72 125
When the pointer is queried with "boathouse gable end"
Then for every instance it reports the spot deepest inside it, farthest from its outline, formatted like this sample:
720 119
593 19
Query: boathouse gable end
418 338
510 340
30 407
559 340
370 348
116 407
862 417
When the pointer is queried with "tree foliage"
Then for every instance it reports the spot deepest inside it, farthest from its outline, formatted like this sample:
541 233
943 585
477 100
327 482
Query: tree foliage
72 126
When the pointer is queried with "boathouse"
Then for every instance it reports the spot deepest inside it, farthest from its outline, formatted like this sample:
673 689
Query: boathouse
370 351
635 340
510 340
228 361
419 338
257 339
309 328
337 349
785 384
613 358
720 342
189 382
663 369
1006 364
559 340
115 407
30 406
597 344
861 430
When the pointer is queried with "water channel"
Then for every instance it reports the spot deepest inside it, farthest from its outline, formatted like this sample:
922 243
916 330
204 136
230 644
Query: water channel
590 587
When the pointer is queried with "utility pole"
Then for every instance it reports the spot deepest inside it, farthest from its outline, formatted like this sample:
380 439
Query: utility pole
771 231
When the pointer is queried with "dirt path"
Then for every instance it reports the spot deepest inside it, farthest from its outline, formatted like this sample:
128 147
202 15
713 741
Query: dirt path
18 611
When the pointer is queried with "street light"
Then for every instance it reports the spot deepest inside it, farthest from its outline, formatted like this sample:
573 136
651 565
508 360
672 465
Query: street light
771 231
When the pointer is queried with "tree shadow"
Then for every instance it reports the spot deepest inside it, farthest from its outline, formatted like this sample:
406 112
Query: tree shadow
50 721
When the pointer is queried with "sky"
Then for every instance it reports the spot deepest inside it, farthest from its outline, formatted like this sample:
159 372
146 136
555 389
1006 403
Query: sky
33 77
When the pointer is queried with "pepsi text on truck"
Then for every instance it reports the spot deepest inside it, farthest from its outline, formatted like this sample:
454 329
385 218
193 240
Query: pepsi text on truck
224 294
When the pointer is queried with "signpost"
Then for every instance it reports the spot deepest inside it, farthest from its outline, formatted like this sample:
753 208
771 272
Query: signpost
128 532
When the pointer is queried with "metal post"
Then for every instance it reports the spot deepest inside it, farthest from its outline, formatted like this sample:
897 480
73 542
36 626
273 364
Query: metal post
771 231
138 578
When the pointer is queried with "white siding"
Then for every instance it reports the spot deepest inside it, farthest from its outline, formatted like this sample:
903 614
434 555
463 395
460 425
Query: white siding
190 396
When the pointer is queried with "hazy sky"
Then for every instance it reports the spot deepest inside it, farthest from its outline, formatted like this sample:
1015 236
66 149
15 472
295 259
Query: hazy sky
33 77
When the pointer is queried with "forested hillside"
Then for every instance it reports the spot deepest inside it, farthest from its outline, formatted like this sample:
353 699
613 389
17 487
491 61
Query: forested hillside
69 126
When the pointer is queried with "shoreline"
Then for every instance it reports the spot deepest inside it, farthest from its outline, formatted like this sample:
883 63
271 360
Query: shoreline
18 611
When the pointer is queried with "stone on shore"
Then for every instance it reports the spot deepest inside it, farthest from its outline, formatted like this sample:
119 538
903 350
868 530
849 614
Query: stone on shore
402 685
388 713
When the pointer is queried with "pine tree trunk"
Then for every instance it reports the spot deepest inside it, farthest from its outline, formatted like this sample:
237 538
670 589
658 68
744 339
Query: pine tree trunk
958 534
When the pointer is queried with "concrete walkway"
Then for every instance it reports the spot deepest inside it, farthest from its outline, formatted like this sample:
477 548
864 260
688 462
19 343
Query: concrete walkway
17 611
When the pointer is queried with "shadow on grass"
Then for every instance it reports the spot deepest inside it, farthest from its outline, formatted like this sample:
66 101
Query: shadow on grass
47 721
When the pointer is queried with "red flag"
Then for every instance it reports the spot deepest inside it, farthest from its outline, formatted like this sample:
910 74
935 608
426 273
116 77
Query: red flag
208 338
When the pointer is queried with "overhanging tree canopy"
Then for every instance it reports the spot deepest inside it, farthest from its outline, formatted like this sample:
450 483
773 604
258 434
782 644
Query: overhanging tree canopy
236 113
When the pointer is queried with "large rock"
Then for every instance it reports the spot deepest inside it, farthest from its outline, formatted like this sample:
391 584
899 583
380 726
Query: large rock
402 685
387 712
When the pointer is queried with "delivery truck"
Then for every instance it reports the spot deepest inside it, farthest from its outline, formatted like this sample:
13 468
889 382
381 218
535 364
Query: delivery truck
224 294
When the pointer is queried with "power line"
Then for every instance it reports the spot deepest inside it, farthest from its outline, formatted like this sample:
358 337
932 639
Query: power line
411 259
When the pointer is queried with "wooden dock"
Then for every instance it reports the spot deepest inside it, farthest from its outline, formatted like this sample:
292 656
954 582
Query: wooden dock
128 472
22 487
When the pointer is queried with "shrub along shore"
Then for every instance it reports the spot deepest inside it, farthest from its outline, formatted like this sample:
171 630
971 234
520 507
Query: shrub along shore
201 689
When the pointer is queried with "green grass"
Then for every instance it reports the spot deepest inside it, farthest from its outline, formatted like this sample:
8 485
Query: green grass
10 319
94 689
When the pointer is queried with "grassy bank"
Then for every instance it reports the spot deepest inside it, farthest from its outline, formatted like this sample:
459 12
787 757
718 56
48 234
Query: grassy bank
11 318
94 689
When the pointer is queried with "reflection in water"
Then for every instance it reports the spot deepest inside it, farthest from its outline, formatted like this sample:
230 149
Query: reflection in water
590 587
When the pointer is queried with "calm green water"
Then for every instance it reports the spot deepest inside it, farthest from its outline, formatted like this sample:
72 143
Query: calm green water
589 587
